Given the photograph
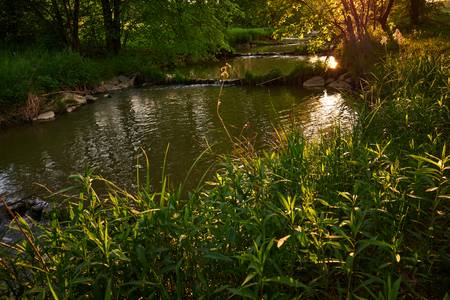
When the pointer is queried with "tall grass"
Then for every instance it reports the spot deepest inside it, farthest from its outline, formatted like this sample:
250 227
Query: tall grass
39 71
352 216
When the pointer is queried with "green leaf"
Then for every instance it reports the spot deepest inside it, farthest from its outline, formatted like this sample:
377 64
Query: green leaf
217 256
108 292
289 281
248 278
243 292
55 296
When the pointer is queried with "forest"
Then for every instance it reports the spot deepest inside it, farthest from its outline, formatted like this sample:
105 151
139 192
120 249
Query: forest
227 149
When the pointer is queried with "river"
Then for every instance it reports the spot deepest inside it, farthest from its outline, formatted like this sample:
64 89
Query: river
107 136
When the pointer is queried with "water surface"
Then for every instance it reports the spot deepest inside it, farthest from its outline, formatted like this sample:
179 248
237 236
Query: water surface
256 64
108 134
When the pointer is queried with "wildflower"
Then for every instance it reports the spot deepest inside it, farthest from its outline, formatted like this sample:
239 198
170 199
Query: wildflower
384 40
225 71
398 36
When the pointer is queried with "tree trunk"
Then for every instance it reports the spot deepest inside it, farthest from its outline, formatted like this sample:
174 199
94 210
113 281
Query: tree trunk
117 27
59 22
75 26
111 20
384 17
416 11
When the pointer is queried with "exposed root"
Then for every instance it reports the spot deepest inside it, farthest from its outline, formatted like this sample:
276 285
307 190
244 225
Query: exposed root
31 109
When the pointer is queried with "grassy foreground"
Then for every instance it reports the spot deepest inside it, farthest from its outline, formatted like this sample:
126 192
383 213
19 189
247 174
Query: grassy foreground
354 216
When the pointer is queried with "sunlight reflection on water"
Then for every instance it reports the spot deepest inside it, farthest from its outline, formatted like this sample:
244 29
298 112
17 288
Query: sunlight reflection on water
330 61
328 110
107 134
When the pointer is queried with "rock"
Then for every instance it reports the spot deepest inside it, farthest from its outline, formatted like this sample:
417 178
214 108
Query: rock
124 85
11 235
316 81
72 98
340 85
109 87
100 89
33 207
71 109
118 83
329 80
123 79
90 98
344 77
139 80
47 116
38 209
16 206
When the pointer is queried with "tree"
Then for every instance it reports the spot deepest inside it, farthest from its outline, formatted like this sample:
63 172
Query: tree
352 22
68 22
416 11
173 29
112 23
252 13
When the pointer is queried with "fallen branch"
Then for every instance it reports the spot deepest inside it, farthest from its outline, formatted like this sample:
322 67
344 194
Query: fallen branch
84 93
274 79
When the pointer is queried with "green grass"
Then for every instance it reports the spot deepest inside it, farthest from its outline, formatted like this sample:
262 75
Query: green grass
236 35
42 71
303 71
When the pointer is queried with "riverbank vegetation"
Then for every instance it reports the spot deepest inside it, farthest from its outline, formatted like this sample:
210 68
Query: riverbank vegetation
237 35
360 214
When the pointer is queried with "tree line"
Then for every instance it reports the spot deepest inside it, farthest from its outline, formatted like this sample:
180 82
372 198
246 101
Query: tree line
113 24
187 27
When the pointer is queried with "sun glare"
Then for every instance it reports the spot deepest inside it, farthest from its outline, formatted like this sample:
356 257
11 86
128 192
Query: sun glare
330 61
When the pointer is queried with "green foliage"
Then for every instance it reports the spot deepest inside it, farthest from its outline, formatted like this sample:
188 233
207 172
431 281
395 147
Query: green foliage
43 71
174 30
350 216
412 94
252 13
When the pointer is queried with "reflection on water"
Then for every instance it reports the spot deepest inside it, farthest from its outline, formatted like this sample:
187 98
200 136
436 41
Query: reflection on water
330 61
326 110
107 135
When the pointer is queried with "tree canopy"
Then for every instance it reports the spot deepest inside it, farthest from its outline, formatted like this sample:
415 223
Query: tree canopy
179 26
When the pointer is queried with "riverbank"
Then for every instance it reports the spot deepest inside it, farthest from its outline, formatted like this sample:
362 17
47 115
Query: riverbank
351 215
34 73
60 83
28 78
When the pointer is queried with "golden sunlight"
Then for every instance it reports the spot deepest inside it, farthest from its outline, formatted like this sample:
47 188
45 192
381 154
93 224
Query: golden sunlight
330 61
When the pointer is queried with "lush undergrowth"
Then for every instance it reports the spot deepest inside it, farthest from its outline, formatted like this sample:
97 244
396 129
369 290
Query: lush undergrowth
352 216
42 71
304 70
363 215
236 35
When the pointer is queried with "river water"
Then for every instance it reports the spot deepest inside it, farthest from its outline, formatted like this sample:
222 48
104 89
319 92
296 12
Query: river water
107 136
